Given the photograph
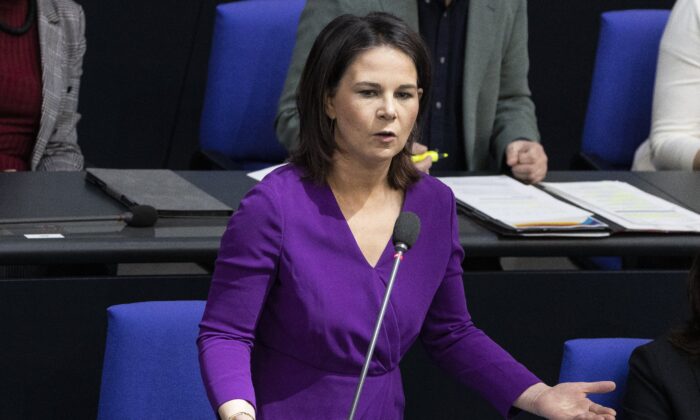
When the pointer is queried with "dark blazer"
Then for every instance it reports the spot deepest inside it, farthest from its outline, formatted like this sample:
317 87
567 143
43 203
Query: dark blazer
496 98
663 383
62 46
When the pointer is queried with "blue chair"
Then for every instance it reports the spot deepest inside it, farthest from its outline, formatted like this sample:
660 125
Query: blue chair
599 359
618 118
251 50
151 367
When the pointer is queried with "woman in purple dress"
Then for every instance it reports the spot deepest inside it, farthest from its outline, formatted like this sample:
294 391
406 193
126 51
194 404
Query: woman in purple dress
305 260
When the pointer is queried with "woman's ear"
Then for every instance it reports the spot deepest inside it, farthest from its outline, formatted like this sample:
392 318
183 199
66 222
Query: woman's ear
328 107
420 93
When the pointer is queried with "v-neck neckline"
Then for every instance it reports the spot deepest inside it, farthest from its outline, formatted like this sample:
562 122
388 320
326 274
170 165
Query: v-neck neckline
388 249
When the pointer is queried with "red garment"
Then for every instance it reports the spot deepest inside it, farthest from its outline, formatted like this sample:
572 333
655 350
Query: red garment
20 87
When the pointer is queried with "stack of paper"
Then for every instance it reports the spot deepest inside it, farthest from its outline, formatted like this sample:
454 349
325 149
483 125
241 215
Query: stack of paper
627 206
262 173
523 209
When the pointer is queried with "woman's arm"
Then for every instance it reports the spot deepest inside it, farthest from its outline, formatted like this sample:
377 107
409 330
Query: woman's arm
675 131
245 271
458 346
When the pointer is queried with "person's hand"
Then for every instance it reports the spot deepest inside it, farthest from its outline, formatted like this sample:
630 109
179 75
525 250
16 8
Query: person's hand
425 164
236 410
527 161
569 401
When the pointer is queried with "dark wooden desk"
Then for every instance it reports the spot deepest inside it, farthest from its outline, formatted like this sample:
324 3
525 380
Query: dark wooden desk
63 194
54 329
197 239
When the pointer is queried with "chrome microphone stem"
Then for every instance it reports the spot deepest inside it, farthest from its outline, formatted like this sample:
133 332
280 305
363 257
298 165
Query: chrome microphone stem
400 249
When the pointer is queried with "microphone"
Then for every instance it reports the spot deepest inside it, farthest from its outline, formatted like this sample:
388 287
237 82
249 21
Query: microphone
406 232
137 216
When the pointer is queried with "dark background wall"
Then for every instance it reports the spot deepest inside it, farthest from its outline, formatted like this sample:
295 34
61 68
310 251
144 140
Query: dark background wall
145 74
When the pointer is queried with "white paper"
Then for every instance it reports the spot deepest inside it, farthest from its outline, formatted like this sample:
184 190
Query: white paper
261 173
628 206
518 205
43 236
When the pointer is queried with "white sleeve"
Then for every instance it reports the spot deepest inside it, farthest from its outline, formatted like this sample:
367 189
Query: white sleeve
675 131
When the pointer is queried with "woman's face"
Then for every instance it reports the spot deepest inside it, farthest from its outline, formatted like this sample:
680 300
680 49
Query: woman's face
375 105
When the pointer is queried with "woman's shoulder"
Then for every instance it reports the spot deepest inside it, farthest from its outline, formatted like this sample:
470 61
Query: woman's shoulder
64 8
287 183
660 355
652 350
431 200
431 187
71 23
285 175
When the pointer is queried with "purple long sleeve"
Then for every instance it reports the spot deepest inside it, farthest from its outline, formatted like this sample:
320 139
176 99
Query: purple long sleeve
245 271
293 301
459 347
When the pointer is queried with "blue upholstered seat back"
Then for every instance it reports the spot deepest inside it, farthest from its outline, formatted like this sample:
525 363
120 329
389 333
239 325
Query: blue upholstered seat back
599 359
251 49
618 118
151 367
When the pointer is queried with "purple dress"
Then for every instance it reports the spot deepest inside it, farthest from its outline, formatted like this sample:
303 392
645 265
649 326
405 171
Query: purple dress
293 303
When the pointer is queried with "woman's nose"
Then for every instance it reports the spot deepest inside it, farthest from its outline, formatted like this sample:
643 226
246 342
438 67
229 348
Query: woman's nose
388 110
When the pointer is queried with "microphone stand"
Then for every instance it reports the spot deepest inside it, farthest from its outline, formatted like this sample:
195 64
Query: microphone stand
400 249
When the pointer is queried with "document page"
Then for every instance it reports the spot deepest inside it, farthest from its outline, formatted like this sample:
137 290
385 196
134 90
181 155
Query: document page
628 206
513 203
262 173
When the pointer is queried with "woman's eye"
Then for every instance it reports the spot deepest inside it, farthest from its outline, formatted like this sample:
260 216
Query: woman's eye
368 93
404 95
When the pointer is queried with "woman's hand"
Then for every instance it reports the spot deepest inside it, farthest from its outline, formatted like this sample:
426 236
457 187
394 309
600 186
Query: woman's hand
237 410
567 401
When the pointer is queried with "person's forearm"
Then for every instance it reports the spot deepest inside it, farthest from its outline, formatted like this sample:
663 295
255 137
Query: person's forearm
696 161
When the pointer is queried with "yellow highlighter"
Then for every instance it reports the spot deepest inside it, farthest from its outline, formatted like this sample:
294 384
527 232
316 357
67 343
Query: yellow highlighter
434 154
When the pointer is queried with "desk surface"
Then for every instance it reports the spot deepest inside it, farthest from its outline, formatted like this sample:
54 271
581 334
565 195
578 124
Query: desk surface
197 239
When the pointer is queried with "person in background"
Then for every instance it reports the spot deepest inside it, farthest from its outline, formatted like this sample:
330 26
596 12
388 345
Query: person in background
480 112
664 376
304 262
42 43
674 142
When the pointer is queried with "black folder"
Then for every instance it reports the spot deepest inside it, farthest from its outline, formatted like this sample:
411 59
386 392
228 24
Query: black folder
593 228
170 194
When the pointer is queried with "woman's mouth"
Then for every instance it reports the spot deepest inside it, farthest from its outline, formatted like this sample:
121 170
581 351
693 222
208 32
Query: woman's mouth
386 135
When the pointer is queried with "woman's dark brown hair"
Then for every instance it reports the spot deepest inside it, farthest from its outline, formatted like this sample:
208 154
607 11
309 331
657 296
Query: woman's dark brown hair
334 50
687 338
